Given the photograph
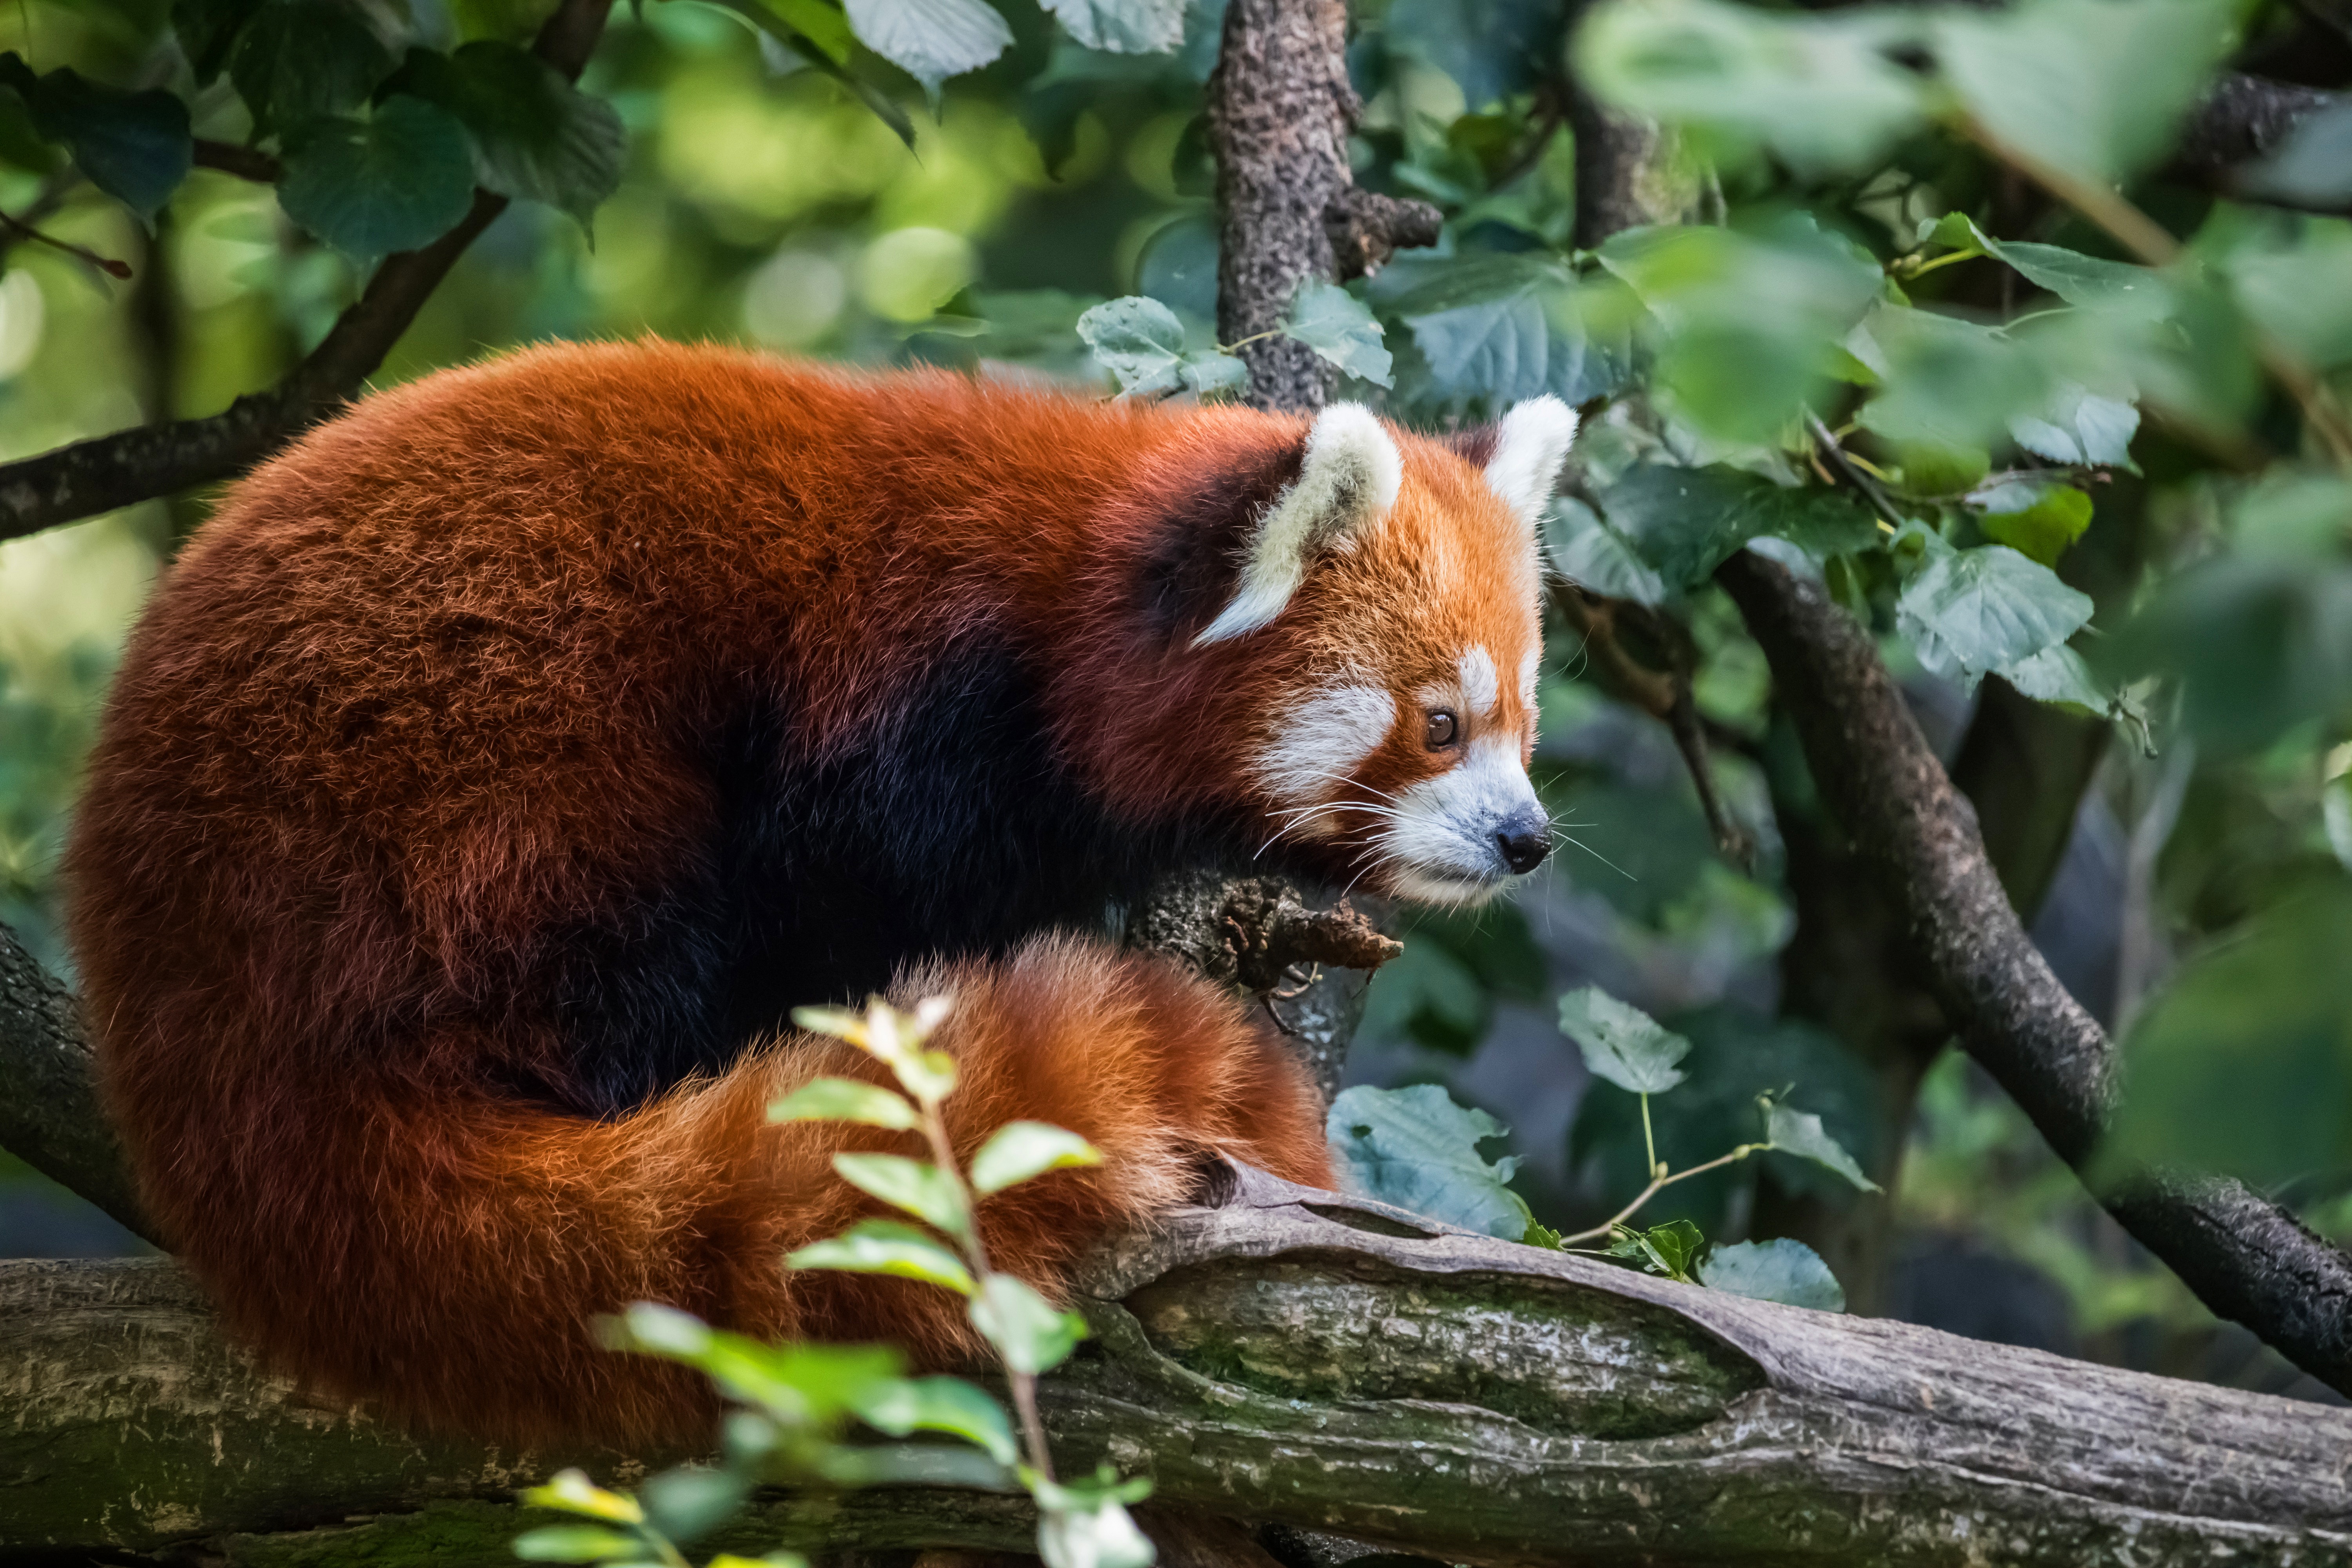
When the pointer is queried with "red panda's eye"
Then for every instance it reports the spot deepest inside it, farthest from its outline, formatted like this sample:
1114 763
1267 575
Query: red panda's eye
1441 728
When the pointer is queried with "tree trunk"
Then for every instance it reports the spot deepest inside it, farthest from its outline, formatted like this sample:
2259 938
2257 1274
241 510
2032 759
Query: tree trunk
1290 1357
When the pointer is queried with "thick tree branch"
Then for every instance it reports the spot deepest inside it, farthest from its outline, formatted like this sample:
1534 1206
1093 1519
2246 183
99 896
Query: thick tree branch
2246 1258
50 1117
95 476
2243 119
234 158
1293 1358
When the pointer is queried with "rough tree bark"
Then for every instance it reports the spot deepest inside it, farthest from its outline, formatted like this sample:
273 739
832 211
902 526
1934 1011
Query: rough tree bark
1291 1357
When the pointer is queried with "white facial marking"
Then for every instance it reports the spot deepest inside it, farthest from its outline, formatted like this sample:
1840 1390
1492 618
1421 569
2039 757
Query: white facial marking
1319 743
1347 482
1528 669
1528 452
1479 692
1441 844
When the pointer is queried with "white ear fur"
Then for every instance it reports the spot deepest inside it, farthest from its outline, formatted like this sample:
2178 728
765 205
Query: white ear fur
1347 482
1528 451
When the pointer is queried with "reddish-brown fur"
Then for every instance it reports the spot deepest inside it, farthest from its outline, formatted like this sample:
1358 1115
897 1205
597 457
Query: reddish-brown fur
432 681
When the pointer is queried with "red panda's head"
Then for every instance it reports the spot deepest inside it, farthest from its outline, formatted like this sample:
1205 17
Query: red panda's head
1393 591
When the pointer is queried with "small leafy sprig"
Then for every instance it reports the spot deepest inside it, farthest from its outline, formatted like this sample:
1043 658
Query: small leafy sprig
795 1399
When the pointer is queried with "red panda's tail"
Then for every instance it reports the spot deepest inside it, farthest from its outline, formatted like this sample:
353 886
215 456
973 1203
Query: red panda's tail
443 1256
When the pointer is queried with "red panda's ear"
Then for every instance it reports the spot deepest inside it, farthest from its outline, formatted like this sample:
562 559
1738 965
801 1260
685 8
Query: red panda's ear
1524 460
1347 477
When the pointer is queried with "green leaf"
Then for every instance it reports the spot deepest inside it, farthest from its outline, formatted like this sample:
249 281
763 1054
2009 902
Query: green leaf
1122 26
2038 519
1821 92
1500 329
1139 340
134 146
1595 556
844 1100
1211 372
693 1500
1800 1132
1621 1043
823 25
1948 382
573 1492
577 1543
1027 1330
2095 87
2078 426
1418 1149
297 60
1340 329
536 136
1094 1533
206 30
825 49
1020 1149
1491 48
1669 1249
917 1186
1687 521
1971 611
885 1247
931 41
1779 1270
2288 273
946 1405
2057 674
396 181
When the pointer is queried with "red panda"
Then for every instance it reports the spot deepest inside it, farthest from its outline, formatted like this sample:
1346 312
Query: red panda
498 767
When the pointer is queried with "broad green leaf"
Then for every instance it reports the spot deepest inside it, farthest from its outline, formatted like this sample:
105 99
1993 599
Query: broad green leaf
818 34
1971 611
940 1404
1798 1132
779 1559
1595 556
1339 328
692 1501
2094 87
844 1100
396 181
134 146
1669 1249
1027 1330
665 1330
1687 521
1139 340
1122 26
1821 92
573 1492
931 41
1020 1149
1622 1043
1418 1149
295 60
2288 273
917 1186
2077 279
2078 426
577 1543
2057 674
536 136
1947 382
823 25
1497 329
1211 372
1780 1270
2243 1063
883 1246
2036 519
206 30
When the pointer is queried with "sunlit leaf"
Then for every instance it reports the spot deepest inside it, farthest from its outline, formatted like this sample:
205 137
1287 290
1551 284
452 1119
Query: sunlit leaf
2037 520
1669 1249
1139 340
917 1186
1103 1535
931 41
1020 1149
1027 1330
1622 1043
1122 26
1416 1149
1780 1270
692 1500
1339 328
940 1404
1798 1132
2058 674
883 1246
844 1100
577 1543
573 1492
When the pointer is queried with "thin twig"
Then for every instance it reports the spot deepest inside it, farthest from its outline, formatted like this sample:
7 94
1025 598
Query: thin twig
1828 443
23 230
232 158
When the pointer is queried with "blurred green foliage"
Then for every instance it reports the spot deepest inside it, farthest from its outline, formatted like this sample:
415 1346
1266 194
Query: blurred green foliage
1909 346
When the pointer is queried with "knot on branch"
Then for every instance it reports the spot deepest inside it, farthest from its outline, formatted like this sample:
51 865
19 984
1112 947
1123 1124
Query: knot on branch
1250 932
1367 229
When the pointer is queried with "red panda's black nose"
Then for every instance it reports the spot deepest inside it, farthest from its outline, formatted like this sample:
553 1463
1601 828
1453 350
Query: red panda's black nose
1523 848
